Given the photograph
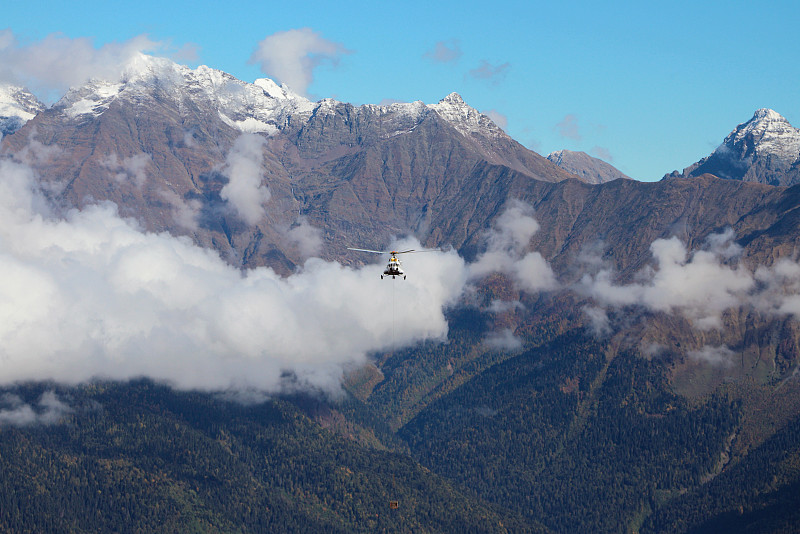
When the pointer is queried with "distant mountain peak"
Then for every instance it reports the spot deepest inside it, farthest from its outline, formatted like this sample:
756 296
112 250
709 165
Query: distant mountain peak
764 149
767 133
590 169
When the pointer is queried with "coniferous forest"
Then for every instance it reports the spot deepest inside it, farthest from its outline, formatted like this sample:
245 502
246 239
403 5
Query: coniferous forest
565 437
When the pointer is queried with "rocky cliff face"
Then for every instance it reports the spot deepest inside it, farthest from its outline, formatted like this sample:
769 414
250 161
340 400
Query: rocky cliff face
765 149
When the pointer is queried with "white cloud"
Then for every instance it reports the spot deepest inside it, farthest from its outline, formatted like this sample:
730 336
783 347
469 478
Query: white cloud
698 285
720 356
292 56
91 295
48 411
504 306
602 153
58 62
498 118
487 71
243 167
504 340
185 213
598 320
780 288
568 127
132 168
305 237
505 253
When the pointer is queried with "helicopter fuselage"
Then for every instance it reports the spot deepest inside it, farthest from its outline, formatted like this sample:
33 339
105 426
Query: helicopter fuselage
393 268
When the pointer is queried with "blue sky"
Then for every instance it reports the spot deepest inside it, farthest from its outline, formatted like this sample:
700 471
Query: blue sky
647 86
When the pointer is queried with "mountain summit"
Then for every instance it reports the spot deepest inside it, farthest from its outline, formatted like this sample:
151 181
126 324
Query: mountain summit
765 149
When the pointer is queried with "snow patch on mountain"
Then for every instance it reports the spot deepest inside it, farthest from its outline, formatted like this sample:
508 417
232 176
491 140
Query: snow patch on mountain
17 106
399 118
91 99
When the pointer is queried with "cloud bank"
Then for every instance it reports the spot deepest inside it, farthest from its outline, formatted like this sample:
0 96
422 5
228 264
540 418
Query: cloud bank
91 295
699 285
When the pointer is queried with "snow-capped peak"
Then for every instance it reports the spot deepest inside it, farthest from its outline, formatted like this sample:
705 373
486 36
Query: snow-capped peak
466 119
144 67
249 107
17 106
767 133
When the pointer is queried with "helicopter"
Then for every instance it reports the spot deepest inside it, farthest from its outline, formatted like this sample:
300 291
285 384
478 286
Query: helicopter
393 268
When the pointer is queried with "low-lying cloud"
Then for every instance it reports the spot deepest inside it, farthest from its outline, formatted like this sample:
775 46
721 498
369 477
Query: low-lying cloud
48 410
133 168
91 295
503 340
720 356
700 286
506 252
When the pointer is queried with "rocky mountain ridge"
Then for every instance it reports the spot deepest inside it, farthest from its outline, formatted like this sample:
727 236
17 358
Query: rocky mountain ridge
159 142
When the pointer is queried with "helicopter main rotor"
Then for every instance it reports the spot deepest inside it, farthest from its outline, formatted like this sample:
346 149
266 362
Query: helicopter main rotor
392 252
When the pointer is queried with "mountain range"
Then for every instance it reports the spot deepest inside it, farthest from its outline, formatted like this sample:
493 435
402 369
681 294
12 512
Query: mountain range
623 358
